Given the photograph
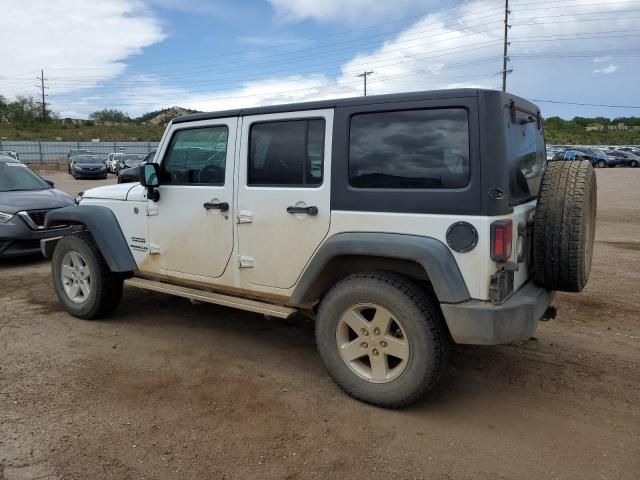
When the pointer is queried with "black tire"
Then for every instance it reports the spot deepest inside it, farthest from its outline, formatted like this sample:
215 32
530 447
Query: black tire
564 226
634 164
106 286
423 326
602 164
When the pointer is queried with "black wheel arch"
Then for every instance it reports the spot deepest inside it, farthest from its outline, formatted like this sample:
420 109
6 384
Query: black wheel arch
103 226
422 259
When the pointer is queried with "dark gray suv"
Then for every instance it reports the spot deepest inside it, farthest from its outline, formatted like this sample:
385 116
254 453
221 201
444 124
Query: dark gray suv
25 198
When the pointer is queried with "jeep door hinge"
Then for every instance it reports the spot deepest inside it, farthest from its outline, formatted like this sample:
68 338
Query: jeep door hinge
152 210
246 262
245 216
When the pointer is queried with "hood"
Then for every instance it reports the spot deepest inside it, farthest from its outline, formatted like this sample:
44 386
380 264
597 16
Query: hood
110 192
12 202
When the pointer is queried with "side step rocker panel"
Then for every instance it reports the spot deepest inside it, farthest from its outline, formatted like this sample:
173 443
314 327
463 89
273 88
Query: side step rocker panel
210 297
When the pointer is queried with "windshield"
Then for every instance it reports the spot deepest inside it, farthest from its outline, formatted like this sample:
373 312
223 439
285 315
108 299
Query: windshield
16 176
133 156
88 160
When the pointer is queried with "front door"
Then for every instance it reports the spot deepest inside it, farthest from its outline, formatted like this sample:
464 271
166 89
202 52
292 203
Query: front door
283 194
191 226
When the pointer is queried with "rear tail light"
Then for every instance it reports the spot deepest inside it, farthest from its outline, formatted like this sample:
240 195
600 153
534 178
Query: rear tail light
501 240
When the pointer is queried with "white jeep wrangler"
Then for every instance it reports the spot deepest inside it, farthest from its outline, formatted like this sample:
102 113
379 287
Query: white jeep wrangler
399 223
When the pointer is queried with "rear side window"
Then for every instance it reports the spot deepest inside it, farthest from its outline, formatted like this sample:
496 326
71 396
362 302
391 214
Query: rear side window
527 154
286 153
424 149
196 156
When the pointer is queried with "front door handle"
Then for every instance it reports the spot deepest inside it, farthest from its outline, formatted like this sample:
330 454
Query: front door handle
307 210
222 206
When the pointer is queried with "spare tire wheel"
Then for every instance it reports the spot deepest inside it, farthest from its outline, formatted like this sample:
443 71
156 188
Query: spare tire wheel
564 226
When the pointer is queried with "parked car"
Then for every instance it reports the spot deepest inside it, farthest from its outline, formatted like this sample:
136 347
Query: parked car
11 154
570 155
25 198
392 250
88 166
132 174
626 159
112 159
600 159
129 160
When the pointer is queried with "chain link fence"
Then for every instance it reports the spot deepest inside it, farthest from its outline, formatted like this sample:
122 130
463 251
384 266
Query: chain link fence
51 152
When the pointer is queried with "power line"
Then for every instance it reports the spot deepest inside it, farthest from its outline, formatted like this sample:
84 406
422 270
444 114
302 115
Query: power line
585 104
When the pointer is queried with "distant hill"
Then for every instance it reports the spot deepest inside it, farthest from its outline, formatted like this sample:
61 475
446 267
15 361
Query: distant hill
162 117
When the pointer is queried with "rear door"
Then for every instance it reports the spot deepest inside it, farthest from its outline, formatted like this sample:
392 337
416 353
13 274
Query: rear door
283 194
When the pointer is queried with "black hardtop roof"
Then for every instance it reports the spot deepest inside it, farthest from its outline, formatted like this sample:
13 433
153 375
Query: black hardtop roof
341 102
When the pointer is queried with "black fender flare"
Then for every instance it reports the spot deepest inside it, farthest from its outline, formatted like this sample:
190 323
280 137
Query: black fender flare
435 257
105 229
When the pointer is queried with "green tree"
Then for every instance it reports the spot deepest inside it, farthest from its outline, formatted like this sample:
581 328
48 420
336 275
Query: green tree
110 115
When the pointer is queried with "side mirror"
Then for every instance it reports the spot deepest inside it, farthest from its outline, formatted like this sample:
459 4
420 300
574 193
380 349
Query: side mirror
50 182
150 175
150 178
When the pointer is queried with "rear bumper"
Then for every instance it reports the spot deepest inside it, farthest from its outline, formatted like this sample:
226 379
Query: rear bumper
484 323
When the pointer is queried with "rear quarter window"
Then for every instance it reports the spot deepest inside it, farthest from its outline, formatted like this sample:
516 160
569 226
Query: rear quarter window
527 155
410 149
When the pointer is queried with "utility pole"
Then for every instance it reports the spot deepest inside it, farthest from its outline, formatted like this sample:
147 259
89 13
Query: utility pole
42 88
364 75
505 58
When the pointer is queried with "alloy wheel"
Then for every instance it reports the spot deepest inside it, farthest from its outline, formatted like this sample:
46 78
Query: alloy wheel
372 343
76 277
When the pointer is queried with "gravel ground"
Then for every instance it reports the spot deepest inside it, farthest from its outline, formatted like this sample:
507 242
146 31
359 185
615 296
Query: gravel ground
166 389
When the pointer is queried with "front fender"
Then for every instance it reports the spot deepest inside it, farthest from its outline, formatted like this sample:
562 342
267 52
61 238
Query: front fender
104 228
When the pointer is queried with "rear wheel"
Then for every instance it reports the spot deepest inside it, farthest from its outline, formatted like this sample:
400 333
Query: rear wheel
602 164
82 279
634 163
381 338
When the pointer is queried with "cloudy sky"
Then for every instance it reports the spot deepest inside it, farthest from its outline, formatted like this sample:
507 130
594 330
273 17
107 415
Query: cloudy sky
141 55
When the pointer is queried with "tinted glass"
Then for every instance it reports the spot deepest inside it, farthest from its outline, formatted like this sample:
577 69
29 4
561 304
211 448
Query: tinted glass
410 149
527 155
15 176
286 153
196 156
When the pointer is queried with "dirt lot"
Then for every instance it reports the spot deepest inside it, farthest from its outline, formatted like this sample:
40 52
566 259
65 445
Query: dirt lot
170 390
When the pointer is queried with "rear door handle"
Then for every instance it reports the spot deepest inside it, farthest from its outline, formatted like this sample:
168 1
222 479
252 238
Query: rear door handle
222 206
307 210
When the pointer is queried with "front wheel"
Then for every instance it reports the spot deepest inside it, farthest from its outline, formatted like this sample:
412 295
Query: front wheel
381 338
602 164
82 279
634 164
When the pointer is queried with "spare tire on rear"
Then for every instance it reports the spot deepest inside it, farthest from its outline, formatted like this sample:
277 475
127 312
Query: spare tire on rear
564 225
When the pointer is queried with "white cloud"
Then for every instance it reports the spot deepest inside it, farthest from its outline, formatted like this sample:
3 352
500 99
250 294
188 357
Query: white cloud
449 49
607 70
350 11
77 43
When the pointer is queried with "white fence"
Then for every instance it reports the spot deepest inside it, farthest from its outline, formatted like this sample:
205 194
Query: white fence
50 152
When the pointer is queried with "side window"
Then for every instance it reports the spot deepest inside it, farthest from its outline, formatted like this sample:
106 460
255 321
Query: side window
286 153
410 149
196 156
